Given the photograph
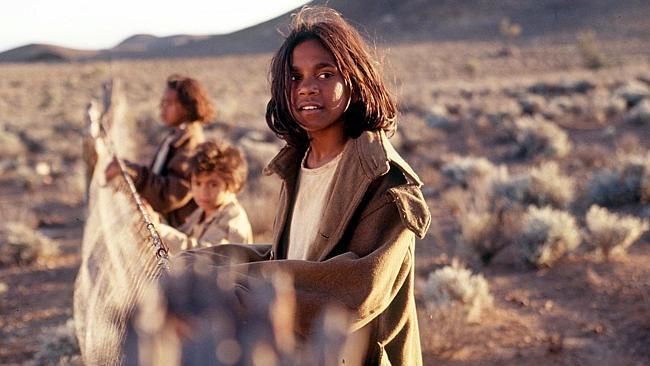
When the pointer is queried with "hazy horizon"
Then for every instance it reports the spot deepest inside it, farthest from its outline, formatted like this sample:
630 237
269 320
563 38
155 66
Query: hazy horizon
82 25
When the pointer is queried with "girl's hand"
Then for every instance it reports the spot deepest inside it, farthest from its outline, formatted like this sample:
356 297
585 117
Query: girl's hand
113 170
153 215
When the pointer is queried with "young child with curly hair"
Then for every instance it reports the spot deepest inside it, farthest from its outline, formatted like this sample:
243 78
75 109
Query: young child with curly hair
218 173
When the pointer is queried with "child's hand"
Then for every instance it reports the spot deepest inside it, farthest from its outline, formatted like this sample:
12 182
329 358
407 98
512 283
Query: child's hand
113 170
153 215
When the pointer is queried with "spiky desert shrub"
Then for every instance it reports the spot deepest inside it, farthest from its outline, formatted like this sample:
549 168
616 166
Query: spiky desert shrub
590 52
612 234
540 186
486 232
20 244
444 330
472 67
628 182
640 114
479 231
58 346
548 186
485 221
632 92
456 286
513 189
537 136
462 170
10 144
508 31
546 235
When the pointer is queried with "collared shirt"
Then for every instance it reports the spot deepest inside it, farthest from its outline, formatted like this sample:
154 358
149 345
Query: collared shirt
228 224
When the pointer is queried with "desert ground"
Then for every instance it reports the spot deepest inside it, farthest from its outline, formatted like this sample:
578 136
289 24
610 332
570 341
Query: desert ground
585 109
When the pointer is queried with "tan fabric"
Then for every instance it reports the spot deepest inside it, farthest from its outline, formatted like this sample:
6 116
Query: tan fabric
363 257
169 192
312 193
228 224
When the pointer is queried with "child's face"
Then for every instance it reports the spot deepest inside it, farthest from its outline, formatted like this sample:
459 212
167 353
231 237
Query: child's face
209 191
172 112
319 96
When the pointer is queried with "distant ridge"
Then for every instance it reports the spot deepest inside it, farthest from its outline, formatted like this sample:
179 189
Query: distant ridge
147 43
44 53
388 21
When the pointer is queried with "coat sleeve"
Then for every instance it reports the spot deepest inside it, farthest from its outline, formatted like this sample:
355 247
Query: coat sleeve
364 285
171 191
226 255
177 240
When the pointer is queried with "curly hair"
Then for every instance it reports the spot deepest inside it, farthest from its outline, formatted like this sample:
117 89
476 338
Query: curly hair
193 96
221 158
371 107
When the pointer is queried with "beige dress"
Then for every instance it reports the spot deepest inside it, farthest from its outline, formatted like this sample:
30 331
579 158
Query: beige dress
228 224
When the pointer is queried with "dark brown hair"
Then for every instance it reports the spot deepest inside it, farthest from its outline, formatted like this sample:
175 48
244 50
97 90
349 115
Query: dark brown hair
371 107
193 96
222 158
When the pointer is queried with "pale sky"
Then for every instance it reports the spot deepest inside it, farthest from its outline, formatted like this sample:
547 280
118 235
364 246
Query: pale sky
92 24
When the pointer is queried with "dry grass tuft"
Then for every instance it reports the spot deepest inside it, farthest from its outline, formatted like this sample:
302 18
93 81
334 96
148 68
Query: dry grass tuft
628 182
589 49
463 170
546 235
20 244
540 186
453 299
537 136
444 330
58 346
456 286
612 234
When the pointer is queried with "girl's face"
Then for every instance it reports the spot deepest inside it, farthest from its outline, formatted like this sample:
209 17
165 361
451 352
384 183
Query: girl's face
172 112
209 191
319 96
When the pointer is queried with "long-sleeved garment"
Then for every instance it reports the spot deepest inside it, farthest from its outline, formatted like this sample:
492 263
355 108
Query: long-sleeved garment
363 256
228 224
168 192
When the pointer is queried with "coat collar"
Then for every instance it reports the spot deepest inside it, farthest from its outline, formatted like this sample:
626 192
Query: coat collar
182 134
371 154
372 149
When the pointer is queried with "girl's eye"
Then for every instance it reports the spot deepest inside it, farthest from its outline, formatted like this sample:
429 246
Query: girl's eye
325 75
295 77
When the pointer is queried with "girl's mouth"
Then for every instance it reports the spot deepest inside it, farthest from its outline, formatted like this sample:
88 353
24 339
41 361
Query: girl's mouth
309 106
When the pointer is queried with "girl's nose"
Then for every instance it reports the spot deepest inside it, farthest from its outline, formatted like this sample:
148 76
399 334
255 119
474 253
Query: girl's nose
308 87
204 192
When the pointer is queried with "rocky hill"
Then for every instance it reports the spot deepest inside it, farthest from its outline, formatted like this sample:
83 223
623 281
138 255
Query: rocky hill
391 21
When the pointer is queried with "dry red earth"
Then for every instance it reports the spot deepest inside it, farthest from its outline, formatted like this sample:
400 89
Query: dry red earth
582 311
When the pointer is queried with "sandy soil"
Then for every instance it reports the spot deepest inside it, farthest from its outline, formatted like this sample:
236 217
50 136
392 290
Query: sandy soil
583 311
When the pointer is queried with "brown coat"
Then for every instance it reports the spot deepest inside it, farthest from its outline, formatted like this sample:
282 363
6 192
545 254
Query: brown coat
363 258
169 192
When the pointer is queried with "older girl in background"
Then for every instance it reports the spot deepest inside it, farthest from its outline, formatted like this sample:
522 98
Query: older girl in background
165 184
